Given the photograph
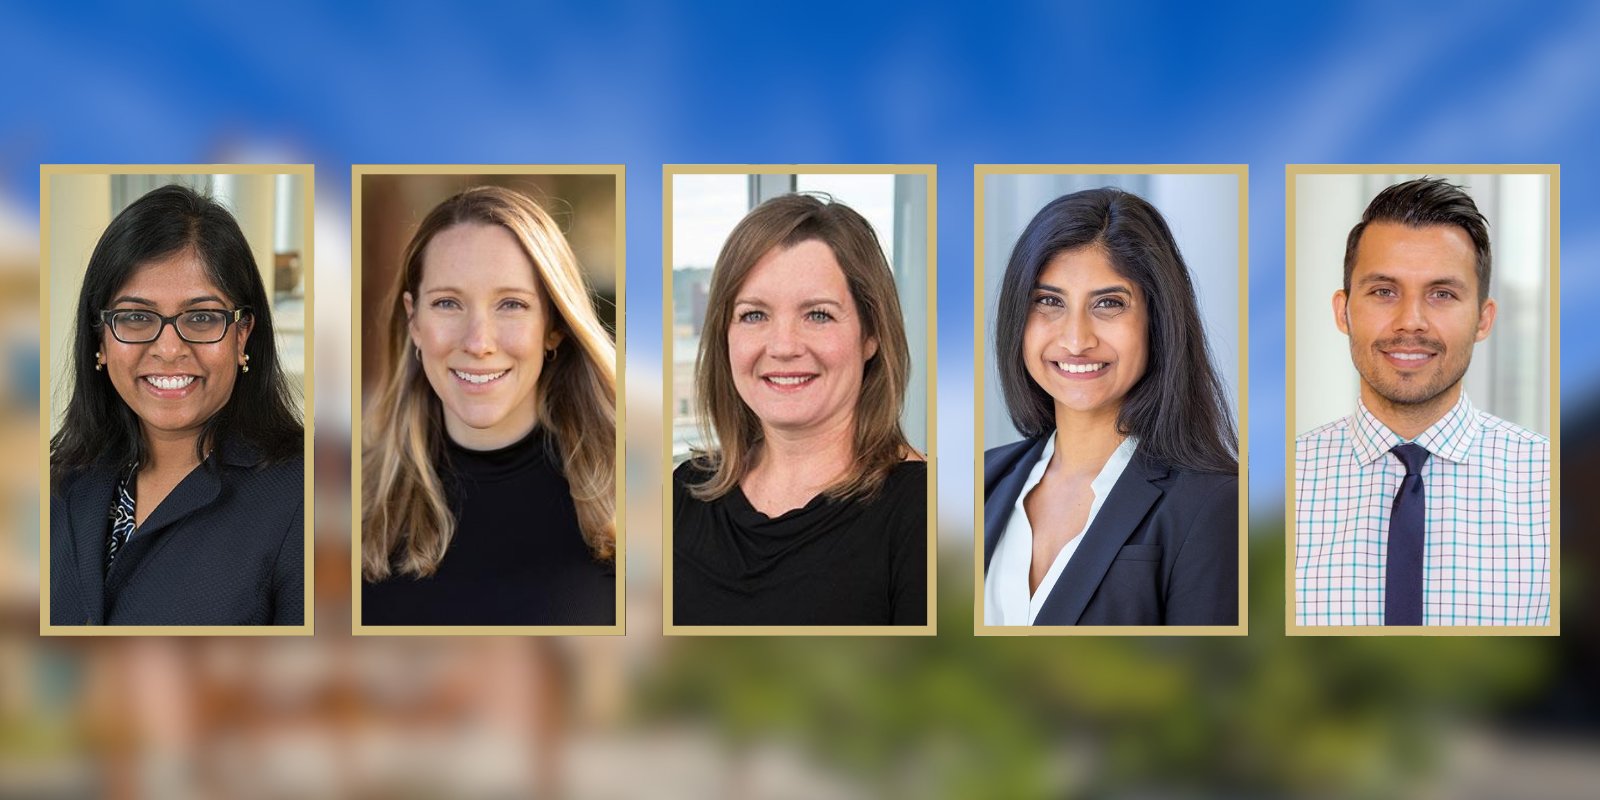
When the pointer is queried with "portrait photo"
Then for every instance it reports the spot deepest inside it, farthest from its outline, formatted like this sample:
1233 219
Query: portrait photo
177 309
1109 380
801 449
1422 402
487 481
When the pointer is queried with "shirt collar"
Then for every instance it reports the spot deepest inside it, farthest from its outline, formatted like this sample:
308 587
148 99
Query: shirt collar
1449 438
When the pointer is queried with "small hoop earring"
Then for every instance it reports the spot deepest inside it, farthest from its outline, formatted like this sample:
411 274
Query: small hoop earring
98 363
418 350
550 354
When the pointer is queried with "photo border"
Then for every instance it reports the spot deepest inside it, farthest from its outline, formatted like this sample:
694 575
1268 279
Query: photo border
308 259
357 171
1291 627
1242 171
930 171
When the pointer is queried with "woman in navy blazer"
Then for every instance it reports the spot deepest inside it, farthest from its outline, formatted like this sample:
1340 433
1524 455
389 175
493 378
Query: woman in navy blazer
1121 505
177 477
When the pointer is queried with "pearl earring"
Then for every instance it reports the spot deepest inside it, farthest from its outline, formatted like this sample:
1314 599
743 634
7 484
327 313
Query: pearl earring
99 363
245 367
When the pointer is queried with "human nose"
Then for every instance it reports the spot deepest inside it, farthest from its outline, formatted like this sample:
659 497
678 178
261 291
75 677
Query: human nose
1411 315
785 340
1077 333
479 339
168 345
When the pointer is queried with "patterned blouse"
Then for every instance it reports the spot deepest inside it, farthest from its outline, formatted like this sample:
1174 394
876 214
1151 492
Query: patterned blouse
122 519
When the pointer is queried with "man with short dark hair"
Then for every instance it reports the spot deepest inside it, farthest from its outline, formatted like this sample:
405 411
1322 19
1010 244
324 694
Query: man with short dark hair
1419 509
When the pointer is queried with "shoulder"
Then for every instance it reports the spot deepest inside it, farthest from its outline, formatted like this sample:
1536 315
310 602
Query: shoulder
1009 452
690 472
1511 433
1330 433
281 482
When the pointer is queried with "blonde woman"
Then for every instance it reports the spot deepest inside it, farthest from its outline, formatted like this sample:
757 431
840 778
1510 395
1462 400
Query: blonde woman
811 509
488 469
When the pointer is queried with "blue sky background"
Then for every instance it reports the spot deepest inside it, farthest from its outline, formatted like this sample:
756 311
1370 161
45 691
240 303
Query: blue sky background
642 84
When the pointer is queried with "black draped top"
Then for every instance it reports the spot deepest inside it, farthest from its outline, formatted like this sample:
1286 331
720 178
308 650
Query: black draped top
832 562
517 557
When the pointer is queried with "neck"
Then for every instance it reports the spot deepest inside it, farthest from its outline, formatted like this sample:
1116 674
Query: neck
164 450
511 430
814 456
1409 420
1085 440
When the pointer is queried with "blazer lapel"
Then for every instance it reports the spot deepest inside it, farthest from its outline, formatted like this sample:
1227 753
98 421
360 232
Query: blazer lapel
1002 482
89 513
197 489
1130 500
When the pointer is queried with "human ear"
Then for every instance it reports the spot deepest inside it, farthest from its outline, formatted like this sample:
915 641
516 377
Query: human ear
1341 311
1486 317
871 348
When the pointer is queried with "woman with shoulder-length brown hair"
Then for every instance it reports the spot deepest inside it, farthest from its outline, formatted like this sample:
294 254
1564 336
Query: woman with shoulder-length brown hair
809 505
488 488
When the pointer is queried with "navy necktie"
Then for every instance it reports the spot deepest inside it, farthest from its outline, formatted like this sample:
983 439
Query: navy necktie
1403 589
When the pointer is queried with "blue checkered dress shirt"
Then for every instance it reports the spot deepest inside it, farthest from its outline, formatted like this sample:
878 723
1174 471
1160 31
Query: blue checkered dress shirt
1487 555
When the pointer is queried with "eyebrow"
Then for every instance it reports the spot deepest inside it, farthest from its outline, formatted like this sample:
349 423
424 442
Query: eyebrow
496 290
205 298
1095 293
1452 282
815 301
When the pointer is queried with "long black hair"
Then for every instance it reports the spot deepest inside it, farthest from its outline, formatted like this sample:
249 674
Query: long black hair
98 425
1178 408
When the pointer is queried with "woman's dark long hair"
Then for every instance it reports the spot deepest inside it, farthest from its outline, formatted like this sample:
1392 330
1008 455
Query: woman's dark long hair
1178 409
98 425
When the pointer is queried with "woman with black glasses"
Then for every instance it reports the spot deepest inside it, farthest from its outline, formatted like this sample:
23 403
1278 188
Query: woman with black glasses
177 477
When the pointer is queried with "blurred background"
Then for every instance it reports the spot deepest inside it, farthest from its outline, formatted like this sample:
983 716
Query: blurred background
1201 210
947 716
1510 372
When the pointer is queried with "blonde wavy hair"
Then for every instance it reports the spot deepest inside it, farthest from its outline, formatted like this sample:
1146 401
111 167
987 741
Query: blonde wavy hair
782 223
406 520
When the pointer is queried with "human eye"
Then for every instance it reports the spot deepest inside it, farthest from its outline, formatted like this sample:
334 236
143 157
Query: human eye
204 317
1049 300
753 316
136 317
445 303
819 315
1444 294
1383 291
513 304
1112 303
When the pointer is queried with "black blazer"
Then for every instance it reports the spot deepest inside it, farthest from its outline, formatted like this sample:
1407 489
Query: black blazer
226 547
1164 549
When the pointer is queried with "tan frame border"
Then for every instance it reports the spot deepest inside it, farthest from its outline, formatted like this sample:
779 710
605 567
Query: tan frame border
46 171
1291 627
618 171
980 330
667 173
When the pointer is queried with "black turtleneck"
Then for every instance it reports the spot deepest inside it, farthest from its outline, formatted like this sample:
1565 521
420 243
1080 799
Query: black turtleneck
517 557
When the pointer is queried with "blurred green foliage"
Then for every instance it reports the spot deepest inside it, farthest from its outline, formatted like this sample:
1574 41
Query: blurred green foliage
960 716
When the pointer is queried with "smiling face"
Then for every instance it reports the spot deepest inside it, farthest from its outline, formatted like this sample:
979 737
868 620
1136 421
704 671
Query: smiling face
173 386
1087 337
796 343
1412 316
481 321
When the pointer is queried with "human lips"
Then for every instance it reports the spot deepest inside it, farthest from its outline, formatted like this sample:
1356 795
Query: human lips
1408 357
1080 369
169 386
788 381
475 378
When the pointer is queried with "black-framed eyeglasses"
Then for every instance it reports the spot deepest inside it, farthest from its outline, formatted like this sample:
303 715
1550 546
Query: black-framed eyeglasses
195 326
